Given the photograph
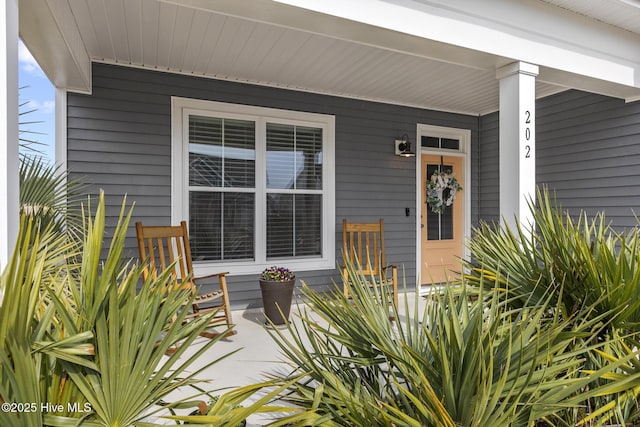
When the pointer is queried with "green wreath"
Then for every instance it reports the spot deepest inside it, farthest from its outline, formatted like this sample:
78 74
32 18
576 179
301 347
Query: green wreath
441 190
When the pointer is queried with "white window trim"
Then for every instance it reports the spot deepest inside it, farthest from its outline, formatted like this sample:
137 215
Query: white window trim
180 193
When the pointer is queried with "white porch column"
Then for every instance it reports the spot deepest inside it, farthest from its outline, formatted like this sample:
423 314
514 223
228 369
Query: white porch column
8 128
517 141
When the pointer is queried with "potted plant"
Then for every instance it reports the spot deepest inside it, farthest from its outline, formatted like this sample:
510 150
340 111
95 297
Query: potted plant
276 285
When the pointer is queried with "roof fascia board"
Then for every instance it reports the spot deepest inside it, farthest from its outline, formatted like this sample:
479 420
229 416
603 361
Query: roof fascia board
486 34
61 54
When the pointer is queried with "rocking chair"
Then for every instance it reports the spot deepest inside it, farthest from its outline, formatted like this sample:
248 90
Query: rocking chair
363 243
164 245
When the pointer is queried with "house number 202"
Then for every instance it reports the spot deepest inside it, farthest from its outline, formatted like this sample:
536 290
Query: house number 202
527 133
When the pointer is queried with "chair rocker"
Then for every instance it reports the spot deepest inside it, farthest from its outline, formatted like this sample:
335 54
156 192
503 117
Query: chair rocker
362 243
161 246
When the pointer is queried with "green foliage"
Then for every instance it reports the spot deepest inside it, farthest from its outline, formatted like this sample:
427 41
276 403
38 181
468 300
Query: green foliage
582 263
590 272
28 324
228 409
544 336
25 132
47 193
461 362
74 330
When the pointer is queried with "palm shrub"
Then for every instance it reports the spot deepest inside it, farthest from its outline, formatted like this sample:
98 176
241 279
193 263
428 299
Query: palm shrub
48 194
74 330
27 323
581 262
461 362
75 334
32 338
27 136
589 271
232 408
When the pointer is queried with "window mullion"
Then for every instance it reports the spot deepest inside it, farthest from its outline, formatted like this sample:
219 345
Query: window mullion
221 189
295 187
290 191
261 193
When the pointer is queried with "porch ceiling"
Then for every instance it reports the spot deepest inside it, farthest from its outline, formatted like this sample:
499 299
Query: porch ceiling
182 36
623 14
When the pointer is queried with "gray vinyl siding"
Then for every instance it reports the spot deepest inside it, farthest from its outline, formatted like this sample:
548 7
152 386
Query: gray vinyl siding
119 141
588 152
488 169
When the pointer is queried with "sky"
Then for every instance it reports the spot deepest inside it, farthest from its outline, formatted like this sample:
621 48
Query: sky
38 94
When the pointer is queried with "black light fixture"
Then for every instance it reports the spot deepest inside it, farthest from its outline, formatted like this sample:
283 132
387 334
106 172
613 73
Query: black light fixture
403 147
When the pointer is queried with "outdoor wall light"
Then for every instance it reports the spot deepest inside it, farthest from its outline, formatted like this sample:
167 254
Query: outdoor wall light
403 147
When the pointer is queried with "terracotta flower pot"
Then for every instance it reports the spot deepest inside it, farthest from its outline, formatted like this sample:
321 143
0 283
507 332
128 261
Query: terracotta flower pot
276 298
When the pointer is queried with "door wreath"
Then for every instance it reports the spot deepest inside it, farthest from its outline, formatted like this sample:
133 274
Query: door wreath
441 190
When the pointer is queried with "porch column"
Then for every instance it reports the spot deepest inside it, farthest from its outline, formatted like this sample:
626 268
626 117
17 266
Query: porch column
8 129
517 141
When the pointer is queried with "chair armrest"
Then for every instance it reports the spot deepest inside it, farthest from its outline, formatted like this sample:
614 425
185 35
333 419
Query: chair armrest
209 276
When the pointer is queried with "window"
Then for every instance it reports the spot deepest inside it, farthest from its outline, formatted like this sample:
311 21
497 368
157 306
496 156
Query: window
221 189
439 225
256 185
294 191
440 143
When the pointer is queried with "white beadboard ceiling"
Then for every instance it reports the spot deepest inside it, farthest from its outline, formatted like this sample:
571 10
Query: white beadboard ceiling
623 14
171 37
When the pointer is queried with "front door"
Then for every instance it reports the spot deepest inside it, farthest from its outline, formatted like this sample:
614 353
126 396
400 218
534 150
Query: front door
441 232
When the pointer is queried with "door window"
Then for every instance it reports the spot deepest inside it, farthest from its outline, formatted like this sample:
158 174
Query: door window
439 225
440 143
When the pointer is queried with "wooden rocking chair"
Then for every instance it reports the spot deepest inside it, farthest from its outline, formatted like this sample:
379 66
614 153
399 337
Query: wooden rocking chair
160 246
363 243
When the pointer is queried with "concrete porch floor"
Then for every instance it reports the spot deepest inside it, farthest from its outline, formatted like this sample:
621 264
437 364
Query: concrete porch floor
258 354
